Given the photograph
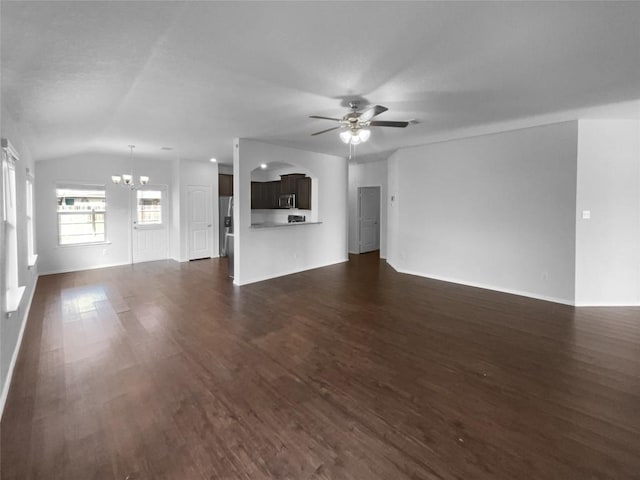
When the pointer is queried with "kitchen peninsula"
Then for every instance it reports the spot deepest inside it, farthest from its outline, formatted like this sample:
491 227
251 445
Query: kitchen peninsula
267 245
281 224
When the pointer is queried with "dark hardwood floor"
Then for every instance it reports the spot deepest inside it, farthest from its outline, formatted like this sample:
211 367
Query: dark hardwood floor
168 371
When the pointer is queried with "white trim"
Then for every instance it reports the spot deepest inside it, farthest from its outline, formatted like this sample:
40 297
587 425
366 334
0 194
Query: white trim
88 244
13 299
16 351
607 304
32 260
510 291
82 269
269 277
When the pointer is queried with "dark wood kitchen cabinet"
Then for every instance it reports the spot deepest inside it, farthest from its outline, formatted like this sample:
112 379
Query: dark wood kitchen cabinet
265 195
256 195
304 193
225 185
289 183
273 193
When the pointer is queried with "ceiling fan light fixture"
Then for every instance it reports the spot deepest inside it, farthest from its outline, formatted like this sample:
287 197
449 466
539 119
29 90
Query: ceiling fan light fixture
116 179
144 180
364 134
355 125
127 179
355 136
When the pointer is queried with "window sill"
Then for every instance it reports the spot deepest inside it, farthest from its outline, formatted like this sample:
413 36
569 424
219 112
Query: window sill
14 297
92 244
31 261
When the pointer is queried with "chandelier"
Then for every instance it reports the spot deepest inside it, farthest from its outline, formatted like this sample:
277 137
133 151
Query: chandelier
127 178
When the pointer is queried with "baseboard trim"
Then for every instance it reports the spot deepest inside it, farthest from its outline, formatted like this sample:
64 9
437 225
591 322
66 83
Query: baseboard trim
607 304
82 269
484 286
16 351
284 274
108 265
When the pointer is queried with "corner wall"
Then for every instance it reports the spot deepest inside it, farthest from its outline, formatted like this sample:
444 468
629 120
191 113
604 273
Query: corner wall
494 211
272 252
608 243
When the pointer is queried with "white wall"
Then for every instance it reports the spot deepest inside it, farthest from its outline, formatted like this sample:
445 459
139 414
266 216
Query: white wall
372 174
90 169
496 211
197 173
272 252
608 244
226 169
12 327
176 219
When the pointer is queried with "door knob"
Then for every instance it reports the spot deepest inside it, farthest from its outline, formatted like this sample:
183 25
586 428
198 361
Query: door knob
209 225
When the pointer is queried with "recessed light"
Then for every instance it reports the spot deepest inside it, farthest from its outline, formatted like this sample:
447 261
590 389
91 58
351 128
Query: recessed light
213 160
263 166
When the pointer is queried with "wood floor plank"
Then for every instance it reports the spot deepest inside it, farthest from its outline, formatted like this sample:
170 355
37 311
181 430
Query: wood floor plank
166 370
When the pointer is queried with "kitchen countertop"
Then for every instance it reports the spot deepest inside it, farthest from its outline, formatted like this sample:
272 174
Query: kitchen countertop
277 225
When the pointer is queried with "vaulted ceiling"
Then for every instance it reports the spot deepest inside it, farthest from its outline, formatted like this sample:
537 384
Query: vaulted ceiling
95 76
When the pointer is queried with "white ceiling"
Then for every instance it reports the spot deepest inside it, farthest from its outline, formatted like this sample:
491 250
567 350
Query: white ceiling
96 76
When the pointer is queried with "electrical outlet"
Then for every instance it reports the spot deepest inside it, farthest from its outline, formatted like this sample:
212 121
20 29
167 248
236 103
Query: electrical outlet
586 214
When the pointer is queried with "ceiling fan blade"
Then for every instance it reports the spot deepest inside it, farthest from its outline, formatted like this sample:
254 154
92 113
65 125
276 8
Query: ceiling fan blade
372 112
324 118
325 131
383 123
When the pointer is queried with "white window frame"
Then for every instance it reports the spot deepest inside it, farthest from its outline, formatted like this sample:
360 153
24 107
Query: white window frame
163 206
32 256
88 187
13 291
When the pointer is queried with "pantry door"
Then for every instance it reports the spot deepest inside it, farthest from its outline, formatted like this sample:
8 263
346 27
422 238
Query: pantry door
199 222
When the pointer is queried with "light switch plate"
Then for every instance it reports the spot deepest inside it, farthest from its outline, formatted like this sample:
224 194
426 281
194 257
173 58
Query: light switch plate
586 214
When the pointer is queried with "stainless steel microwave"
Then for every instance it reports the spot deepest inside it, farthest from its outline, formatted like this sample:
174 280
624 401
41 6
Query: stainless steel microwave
287 200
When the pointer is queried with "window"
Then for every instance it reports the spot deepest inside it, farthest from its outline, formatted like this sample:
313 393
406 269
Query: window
9 215
149 207
31 251
81 214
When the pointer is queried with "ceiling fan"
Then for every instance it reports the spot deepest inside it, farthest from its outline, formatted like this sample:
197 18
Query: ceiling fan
356 124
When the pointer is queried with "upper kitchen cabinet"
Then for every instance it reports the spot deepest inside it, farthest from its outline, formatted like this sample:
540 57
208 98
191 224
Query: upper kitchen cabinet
304 193
289 182
269 185
225 185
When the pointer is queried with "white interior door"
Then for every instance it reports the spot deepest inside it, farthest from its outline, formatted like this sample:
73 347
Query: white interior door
150 230
199 221
369 219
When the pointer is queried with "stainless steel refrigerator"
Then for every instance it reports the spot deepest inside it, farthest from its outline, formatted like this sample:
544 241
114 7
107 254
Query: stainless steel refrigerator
225 204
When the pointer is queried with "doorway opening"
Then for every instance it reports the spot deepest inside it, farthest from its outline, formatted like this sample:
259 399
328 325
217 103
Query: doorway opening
150 239
368 219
